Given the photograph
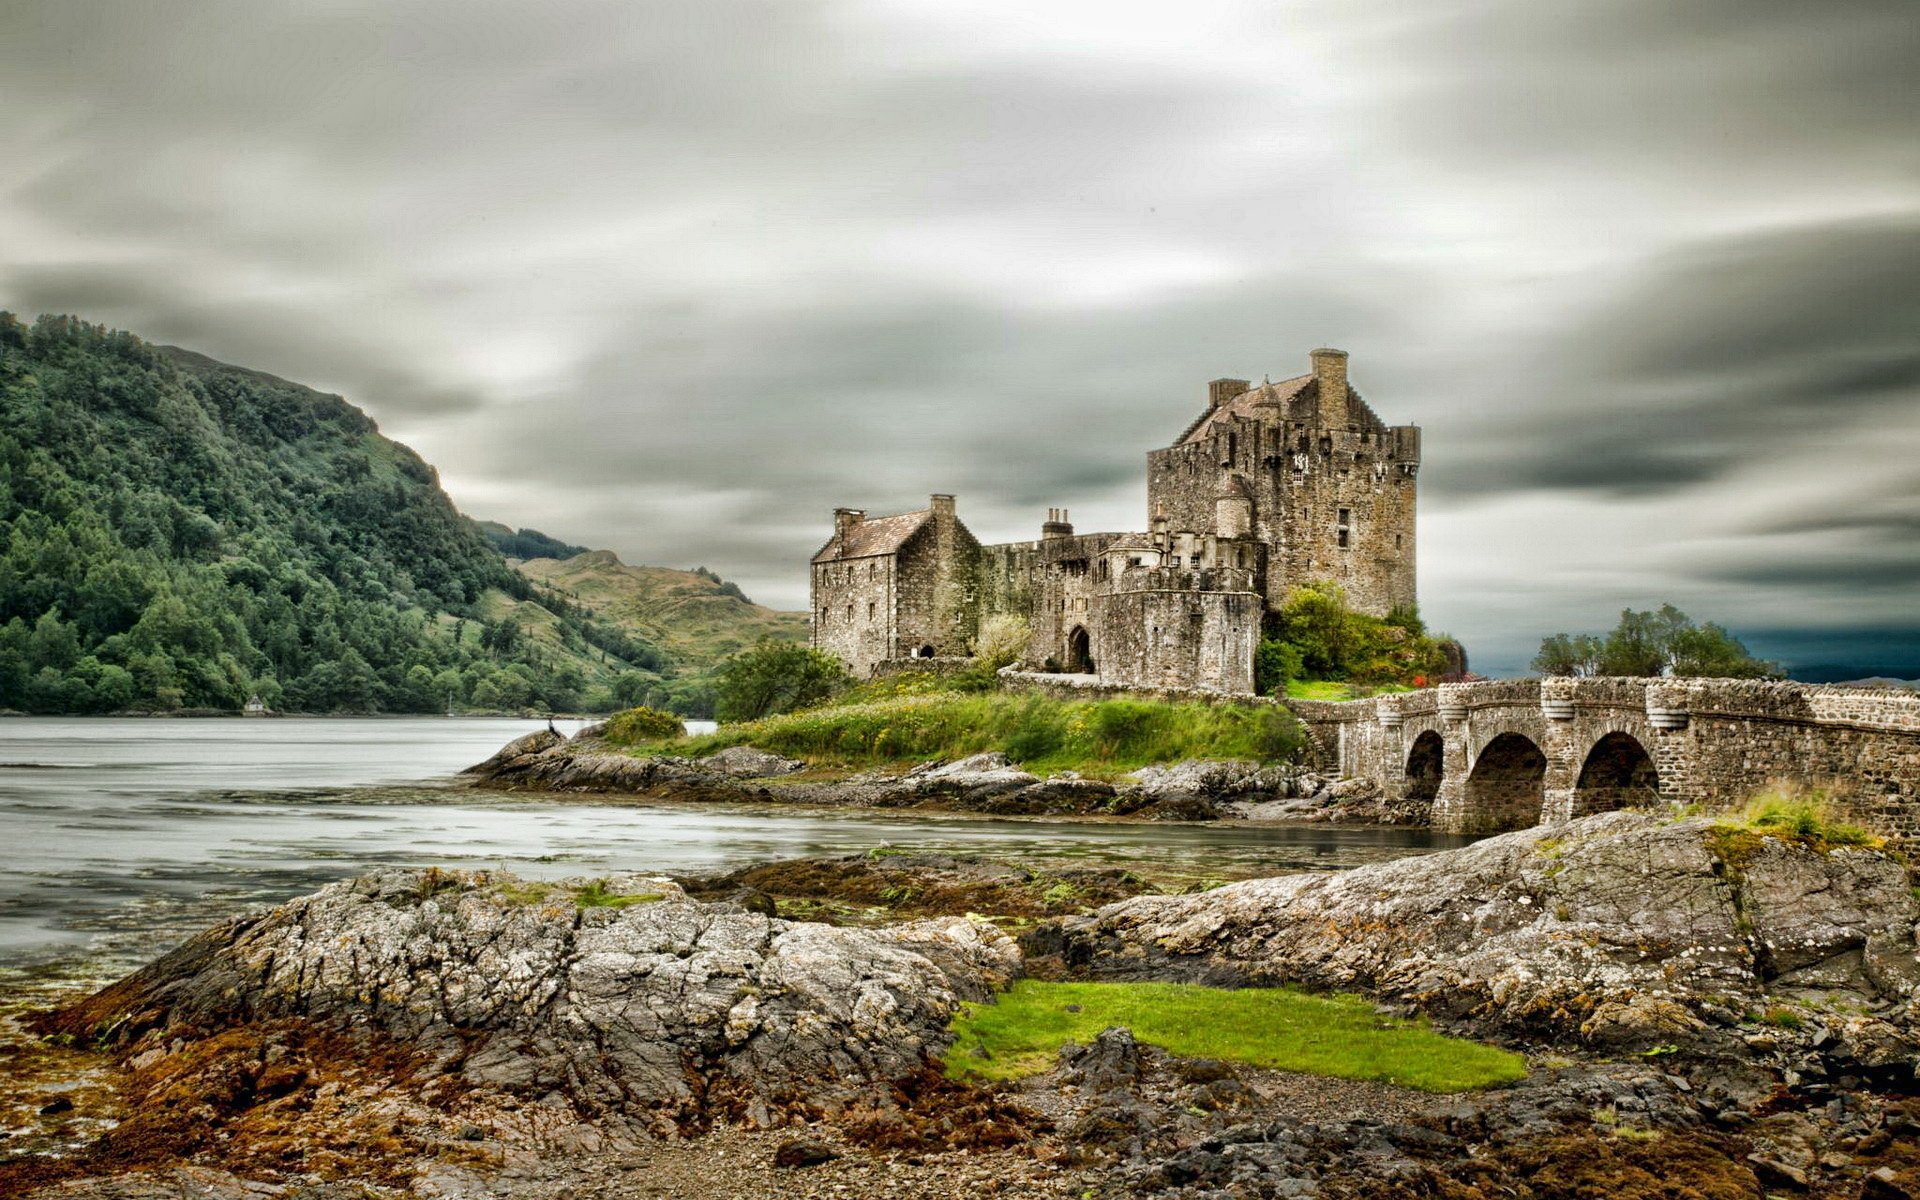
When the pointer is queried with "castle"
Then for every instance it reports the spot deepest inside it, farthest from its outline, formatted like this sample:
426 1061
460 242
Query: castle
1270 487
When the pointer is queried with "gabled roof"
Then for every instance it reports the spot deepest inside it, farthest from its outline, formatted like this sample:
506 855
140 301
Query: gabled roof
1270 401
876 535
1132 541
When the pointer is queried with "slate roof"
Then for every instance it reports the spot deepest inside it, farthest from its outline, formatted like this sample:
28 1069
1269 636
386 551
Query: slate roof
1270 397
875 535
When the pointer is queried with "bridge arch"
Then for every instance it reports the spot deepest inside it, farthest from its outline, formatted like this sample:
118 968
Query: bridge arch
1506 788
1426 765
1618 773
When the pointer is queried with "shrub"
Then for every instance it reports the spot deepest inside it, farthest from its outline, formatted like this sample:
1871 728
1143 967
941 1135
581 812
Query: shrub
1276 664
1316 635
1003 640
775 677
635 725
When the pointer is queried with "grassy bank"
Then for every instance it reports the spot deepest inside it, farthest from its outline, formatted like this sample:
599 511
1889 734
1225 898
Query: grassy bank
1341 1036
1039 732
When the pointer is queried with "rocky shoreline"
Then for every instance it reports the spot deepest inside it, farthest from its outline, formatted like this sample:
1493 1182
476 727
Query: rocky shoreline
1706 1011
989 784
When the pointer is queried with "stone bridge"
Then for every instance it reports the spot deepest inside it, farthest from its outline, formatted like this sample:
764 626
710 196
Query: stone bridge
1505 754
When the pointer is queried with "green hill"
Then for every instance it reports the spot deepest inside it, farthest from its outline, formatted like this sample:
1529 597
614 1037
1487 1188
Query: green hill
176 533
695 616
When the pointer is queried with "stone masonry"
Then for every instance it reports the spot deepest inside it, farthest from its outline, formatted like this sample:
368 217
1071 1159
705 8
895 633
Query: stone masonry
1269 487
1510 753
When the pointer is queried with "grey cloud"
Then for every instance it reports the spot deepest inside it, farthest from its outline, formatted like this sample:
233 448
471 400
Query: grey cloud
1717 353
1709 87
1831 577
677 278
297 343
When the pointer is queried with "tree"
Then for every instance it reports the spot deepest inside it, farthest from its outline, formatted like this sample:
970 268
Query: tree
1317 635
1653 643
1568 654
775 677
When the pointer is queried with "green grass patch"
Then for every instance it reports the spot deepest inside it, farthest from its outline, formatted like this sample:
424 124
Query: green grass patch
596 895
1339 689
1804 816
1337 1035
1040 732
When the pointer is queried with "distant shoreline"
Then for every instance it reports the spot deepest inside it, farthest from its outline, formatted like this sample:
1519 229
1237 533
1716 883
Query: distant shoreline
215 714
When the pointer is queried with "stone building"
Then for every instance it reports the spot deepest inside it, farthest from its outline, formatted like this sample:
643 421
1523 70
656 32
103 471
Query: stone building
1269 487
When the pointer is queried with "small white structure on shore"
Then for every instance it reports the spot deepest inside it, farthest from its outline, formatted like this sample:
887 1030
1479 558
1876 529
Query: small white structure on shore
255 706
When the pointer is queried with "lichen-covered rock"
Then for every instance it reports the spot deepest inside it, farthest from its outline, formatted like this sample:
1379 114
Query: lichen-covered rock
625 996
1620 928
518 754
745 762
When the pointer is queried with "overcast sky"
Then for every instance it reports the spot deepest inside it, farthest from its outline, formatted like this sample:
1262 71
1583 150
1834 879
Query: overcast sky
678 278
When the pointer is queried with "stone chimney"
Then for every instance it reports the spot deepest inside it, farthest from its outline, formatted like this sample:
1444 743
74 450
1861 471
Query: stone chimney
942 506
1222 390
1056 526
844 519
1330 379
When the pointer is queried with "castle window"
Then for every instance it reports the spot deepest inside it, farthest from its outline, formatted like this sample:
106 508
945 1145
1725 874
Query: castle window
849 612
872 610
1346 531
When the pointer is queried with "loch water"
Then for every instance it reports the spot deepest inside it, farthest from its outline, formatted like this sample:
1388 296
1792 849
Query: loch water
121 836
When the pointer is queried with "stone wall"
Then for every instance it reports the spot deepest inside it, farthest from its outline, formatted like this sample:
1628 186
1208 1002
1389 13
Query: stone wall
1075 687
853 610
1176 628
1067 591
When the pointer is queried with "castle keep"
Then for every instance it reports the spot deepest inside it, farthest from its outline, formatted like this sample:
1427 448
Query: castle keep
1270 487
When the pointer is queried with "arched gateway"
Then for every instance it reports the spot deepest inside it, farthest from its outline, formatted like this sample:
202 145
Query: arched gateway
1079 651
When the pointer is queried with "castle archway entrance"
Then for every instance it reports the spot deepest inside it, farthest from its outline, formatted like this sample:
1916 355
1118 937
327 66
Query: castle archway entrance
1425 764
1507 788
924 652
1618 773
1079 651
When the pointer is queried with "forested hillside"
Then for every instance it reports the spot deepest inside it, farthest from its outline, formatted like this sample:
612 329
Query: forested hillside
176 533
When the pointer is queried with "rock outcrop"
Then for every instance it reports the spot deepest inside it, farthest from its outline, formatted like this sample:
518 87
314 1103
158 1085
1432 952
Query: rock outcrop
622 995
1621 929
1196 790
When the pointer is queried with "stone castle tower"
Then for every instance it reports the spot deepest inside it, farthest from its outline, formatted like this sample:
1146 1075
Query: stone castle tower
1269 487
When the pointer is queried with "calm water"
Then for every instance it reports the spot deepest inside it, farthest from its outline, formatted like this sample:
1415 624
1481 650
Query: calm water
123 835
